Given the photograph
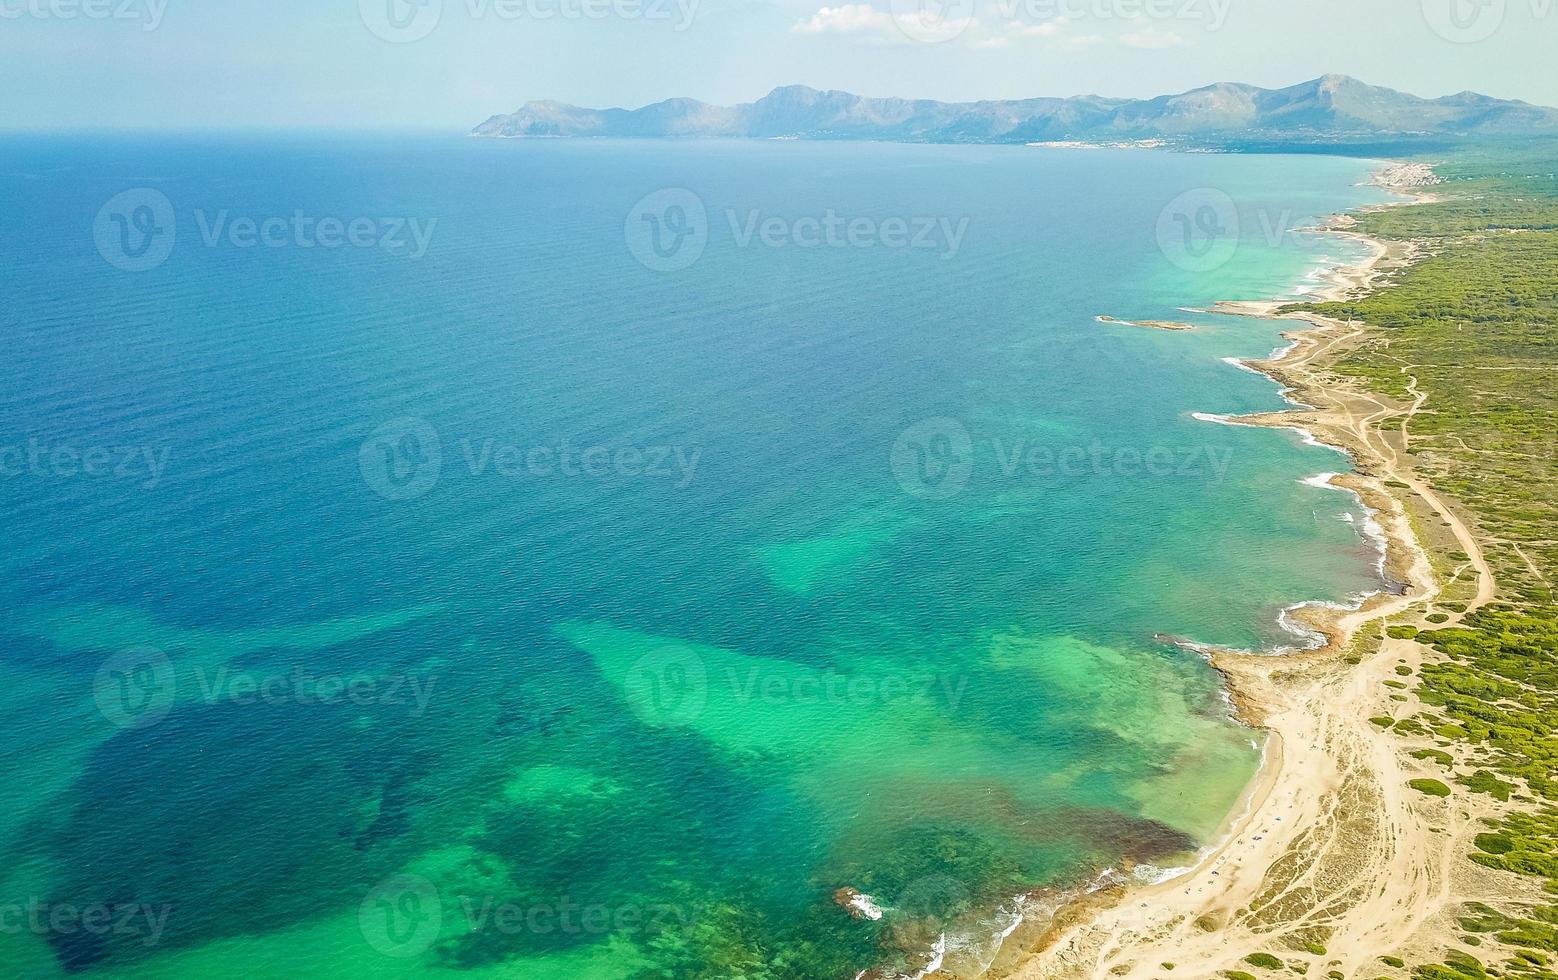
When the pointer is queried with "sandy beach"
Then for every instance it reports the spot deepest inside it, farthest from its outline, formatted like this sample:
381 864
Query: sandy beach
1333 861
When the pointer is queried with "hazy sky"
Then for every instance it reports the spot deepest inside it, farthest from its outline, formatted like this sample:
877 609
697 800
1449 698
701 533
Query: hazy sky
198 63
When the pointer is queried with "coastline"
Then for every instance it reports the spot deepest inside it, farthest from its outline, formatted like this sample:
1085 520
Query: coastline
1330 791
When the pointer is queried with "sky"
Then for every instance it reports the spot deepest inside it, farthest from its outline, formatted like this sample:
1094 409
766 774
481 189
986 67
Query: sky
449 64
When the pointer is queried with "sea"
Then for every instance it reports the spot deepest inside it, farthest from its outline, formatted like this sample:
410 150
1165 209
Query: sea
596 560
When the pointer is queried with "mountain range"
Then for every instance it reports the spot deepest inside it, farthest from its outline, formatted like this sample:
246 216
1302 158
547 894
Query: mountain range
1334 107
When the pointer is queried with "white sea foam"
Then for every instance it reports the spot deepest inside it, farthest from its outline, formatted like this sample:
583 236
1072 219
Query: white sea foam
1279 353
1376 534
1310 439
980 943
1309 639
938 956
1239 363
1304 434
1314 639
984 952
1369 527
1017 918
1108 878
866 906
1151 874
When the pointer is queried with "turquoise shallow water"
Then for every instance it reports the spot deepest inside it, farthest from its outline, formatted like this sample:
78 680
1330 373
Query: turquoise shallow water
511 606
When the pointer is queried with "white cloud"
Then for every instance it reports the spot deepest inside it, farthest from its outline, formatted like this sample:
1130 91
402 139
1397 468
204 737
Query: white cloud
1144 35
851 18
874 26
1047 28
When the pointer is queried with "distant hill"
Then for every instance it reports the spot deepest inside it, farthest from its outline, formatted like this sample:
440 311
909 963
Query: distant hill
1331 108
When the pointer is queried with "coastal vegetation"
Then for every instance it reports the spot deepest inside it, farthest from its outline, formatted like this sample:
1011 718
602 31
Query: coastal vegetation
1473 325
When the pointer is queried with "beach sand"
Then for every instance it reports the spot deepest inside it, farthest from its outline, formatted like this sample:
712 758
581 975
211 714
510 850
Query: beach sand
1333 861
